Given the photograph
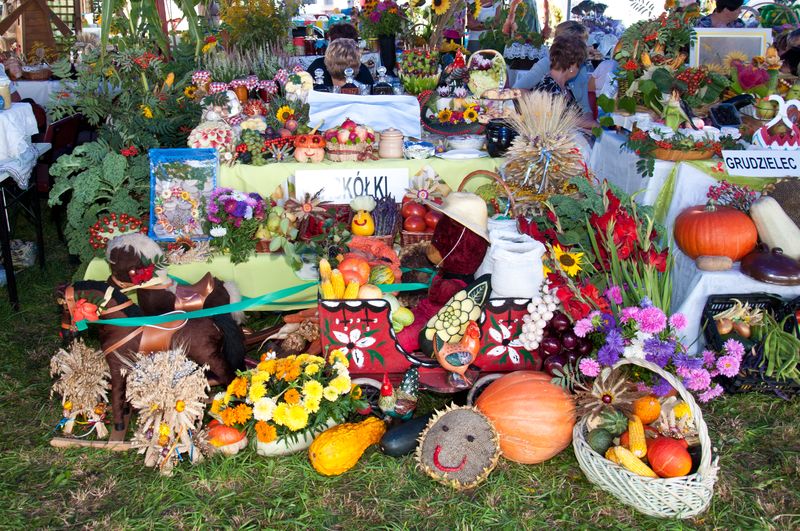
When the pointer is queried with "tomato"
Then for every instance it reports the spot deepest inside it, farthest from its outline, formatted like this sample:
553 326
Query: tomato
415 224
432 218
412 208
353 268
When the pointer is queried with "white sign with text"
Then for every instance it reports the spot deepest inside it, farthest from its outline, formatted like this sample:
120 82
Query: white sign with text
341 186
763 163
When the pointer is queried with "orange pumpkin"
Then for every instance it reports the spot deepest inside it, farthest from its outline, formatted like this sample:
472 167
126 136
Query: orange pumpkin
354 268
647 408
309 148
225 439
669 458
708 230
533 416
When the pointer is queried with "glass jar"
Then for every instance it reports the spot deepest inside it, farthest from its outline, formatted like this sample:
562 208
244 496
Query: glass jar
349 86
499 136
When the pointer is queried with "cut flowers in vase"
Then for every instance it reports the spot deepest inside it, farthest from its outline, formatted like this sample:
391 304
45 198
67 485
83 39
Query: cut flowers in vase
233 218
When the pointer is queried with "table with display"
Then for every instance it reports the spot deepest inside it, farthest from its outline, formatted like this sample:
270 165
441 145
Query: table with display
38 91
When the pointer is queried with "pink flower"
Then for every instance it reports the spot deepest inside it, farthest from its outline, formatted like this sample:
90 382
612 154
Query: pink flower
698 380
589 367
709 358
728 365
678 321
734 348
583 327
631 312
614 294
711 393
651 320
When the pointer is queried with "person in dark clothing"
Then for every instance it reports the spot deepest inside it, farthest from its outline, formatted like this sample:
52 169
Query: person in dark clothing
340 31
725 15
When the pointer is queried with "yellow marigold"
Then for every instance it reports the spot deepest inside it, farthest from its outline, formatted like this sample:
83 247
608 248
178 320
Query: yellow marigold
279 415
146 111
292 373
268 366
296 418
311 369
341 383
330 394
337 356
228 416
356 392
292 397
265 432
312 390
257 390
312 406
238 387
259 377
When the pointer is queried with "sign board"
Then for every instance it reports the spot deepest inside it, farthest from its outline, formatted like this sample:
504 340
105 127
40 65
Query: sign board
341 186
763 162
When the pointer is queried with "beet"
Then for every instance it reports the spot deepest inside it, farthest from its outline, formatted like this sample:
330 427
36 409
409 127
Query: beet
550 346
569 340
560 322
555 362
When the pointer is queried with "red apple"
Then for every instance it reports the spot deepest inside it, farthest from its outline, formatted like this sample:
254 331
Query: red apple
412 208
415 224
285 133
432 218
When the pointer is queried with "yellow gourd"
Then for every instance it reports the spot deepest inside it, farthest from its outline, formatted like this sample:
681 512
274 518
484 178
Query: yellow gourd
363 224
338 449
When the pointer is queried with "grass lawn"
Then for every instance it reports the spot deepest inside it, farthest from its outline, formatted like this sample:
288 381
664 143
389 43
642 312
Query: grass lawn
757 438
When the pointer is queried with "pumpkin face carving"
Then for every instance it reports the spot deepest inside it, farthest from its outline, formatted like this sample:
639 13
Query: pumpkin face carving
309 148
459 447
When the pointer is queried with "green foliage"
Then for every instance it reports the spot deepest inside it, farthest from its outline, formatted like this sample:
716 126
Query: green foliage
257 23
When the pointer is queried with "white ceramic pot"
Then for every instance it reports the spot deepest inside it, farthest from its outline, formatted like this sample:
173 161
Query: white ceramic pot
288 446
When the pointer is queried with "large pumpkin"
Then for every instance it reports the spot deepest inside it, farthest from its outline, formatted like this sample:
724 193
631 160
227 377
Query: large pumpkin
533 416
707 230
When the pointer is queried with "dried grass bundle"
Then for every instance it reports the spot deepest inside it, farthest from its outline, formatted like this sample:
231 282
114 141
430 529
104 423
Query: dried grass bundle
82 382
169 391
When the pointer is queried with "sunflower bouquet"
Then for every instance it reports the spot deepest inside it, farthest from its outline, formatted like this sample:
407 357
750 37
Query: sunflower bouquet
284 399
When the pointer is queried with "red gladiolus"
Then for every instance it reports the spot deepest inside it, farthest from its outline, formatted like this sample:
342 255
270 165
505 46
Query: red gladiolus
659 260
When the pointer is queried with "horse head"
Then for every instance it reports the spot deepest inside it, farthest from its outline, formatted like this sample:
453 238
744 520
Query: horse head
90 300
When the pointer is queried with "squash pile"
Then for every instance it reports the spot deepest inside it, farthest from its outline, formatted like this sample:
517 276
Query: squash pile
653 441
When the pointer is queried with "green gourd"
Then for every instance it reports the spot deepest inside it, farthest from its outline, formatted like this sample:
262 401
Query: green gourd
600 439
613 421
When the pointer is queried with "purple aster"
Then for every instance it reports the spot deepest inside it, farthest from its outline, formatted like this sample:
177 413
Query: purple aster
728 365
698 380
214 219
678 321
375 16
628 313
241 209
583 327
607 356
614 294
651 320
615 341
230 206
589 367
711 393
662 387
658 352
642 387
646 302
734 348
709 358
608 322
688 362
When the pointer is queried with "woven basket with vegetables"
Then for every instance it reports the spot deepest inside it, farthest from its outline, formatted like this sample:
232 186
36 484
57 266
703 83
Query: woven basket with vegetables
622 472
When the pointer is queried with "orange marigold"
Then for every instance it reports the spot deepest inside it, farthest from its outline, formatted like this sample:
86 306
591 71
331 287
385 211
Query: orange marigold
292 397
238 387
242 413
228 416
265 432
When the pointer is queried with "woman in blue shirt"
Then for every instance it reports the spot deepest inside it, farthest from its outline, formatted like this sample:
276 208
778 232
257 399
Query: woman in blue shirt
725 15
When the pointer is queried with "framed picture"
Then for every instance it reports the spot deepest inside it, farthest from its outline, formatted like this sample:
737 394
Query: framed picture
180 182
712 45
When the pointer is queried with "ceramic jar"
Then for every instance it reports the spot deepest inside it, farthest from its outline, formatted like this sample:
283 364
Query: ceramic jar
499 136
391 144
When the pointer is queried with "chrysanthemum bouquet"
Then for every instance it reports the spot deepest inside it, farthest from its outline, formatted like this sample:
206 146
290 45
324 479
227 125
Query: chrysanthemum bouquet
282 398
233 218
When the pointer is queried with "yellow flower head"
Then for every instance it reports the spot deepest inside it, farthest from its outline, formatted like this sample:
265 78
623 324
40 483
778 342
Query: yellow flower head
68 405
238 387
311 369
296 418
682 410
570 262
109 72
163 440
146 112
280 414
215 406
338 356
312 390
341 383
189 91
259 377
356 392
242 413
257 391
330 394
170 79
267 366
477 11
180 405
163 429
312 406
284 113
546 270
445 115
440 7
265 433
292 397
470 115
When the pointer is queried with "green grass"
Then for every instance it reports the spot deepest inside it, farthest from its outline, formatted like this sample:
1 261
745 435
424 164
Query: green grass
756 439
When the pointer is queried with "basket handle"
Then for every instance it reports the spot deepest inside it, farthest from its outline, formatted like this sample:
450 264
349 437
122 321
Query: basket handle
497 179
697 415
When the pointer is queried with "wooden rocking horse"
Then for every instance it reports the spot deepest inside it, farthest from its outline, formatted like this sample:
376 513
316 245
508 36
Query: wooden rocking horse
214 341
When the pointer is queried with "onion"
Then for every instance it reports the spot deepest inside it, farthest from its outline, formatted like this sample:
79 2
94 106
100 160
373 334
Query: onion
724 326
560 322
551 346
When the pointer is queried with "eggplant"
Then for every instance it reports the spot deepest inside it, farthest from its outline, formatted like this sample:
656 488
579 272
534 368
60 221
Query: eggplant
402 439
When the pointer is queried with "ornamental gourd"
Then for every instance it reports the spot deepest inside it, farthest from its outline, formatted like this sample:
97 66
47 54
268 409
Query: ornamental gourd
533 416
225 439
709 230
363 224
309 148
669 458
338 449
775 227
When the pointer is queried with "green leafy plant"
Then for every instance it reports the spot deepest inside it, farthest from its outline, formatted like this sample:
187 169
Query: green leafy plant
257 23
644 145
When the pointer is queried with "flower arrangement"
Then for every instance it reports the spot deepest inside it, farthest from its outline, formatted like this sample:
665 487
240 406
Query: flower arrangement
384 19
468 116
282 398
739 197
759 76
645 144
233 219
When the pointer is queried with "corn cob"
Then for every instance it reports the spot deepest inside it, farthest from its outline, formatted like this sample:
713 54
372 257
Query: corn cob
352 290
327 289
633 463
645 59
636 442
611 455
324 269
337 280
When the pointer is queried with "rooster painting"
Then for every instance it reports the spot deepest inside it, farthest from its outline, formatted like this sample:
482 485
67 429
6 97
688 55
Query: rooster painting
457 357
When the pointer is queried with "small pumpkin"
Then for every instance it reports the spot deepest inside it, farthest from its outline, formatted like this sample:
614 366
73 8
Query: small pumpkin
533 416
309 148
647 408
669 458
225 439
715 231
354 268
338 449
381 274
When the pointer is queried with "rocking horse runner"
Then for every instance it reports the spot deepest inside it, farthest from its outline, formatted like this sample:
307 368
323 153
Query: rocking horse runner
216 341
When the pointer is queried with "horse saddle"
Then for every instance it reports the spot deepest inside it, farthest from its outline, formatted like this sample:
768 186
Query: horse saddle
153 338
190 297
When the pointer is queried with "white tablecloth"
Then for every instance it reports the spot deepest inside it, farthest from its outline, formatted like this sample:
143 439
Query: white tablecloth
38 91
618 167
19 168
17 125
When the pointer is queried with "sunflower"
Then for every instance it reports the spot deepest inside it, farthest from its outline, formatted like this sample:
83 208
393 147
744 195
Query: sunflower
189 91
570 262
470 115
284 113
477 11
727 62
445 115
440 7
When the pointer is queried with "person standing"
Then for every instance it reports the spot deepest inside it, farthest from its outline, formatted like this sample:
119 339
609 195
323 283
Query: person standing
476 26
725 15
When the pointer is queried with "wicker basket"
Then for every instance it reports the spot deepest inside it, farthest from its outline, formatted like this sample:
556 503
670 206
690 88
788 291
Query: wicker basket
348 153
37 74
677 155
512 205
503 75
410 238
681 497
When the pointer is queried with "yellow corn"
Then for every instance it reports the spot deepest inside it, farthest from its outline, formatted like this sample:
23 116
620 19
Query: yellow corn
611 455
352 290
633 463
645 59
324 269
337 280
636 442
327 289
